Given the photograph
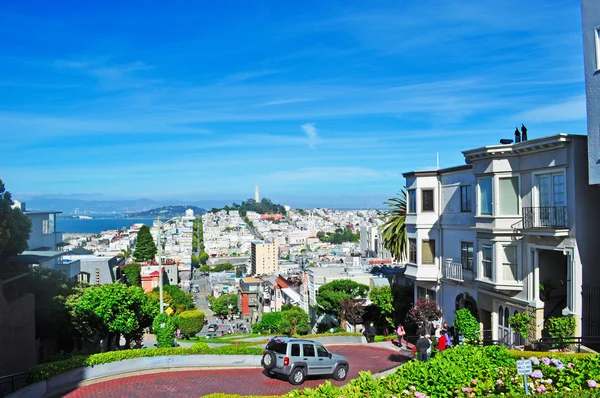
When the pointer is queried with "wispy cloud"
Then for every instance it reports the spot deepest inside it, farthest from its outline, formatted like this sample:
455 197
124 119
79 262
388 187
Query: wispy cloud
570 110
332 174
311 133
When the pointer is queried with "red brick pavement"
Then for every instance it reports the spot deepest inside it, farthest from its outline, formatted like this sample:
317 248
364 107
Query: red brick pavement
196 383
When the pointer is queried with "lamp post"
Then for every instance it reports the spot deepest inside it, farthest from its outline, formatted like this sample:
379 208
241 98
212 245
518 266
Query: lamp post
160 274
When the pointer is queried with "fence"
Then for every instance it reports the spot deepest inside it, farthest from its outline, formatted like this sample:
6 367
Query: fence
591 313
11 383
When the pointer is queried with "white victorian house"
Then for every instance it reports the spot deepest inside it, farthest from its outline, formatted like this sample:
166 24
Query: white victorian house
485 235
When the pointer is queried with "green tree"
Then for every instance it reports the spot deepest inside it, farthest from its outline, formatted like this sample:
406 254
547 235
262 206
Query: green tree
52 319
205 268
133 274
191 322
382 299
393 232
203 257
220 305
195 260
294 321
164 328
177 299
331 295
14 230
269 322
145 248
112 310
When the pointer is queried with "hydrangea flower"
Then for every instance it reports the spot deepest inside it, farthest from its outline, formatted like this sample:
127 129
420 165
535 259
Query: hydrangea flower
420 394
570 364
474 381
560 366
500 382
534 360
546 361
549 381
541 389
413 388
592 384
537 374
467 389
406 392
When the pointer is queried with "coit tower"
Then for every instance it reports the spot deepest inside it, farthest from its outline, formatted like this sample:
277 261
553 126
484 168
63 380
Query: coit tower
256 196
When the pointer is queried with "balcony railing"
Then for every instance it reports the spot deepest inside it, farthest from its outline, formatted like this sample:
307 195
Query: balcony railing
547 217
455 272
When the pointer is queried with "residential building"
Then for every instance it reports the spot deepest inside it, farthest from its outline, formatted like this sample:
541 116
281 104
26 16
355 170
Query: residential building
590 12
371 243
151 277
485 235
264 257
250 297
95 268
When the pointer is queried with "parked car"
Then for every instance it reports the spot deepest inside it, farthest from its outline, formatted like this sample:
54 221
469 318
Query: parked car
297 359
213 327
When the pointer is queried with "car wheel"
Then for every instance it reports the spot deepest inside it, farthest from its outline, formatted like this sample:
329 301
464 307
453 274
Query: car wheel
297 376
269 360
340 372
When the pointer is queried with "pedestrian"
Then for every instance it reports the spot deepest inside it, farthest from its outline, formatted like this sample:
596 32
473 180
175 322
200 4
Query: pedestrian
442 341
449 339
400 332
428 337
420 329
371 332
423 345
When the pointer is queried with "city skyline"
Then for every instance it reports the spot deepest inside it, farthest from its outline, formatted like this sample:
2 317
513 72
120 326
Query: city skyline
318 104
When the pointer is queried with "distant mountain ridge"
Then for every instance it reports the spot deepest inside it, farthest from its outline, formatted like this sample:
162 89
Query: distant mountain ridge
165 211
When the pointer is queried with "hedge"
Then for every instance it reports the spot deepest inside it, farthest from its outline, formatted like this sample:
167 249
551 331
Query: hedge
47 370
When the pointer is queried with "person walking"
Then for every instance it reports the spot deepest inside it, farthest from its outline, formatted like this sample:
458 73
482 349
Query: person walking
428 337
400 332
442 341
423 345
371 332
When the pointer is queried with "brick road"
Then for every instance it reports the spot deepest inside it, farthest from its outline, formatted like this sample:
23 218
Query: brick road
196 383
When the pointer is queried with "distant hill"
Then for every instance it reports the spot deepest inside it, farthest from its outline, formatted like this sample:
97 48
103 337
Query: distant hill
265 206
165 212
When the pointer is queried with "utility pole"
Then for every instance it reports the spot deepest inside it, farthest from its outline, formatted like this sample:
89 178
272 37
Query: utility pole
160 273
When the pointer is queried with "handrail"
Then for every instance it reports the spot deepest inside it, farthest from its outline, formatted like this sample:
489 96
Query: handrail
564 341
11 379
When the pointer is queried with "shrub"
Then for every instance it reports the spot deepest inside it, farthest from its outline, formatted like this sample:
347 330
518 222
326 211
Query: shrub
467 324
425 311
521 323
164 329
191 322
268 323
132 273
561 327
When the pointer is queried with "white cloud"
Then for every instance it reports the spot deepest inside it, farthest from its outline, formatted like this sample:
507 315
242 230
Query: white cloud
570 110
312 133
348 174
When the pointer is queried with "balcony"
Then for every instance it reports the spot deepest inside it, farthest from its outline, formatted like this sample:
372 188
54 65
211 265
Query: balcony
422 272
545 218
455 272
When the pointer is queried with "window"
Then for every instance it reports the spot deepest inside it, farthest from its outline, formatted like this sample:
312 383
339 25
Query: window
295 350
427 200
466 255
425 293
509 195
465 199
322 352
51 223
486 261
412 201
45 227
510 264
428 252
308 350
485 196
412 251
597 40
551 189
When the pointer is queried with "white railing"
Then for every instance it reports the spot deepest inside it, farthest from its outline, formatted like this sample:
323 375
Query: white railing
453 271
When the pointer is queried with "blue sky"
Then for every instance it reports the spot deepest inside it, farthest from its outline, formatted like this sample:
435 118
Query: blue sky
319 103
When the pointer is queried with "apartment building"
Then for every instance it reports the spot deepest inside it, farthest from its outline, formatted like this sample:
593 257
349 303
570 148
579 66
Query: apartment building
590 12
251 297
371 243
264 257
485 235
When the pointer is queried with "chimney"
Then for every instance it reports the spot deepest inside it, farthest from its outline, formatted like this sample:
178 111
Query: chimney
517 136
524 132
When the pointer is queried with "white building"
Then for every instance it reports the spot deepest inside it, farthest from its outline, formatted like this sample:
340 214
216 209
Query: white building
371 243
485 235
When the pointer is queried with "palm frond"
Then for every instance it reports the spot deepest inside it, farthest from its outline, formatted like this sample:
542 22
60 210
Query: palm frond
393 230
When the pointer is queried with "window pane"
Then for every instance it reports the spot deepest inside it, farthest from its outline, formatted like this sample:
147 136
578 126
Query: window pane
412 201
485 195
558 185
466 255
427 200
510 263
308 350
465 198
509 195
543 183
412 246
428 252
487 261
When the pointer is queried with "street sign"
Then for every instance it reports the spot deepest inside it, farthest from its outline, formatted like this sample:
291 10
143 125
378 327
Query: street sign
169 311
524 367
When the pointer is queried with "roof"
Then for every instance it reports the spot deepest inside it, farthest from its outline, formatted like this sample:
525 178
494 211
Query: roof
35 257
33 212
433 173
79 251
251 279
292 294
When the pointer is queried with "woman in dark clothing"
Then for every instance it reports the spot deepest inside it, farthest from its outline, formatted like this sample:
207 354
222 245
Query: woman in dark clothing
423 345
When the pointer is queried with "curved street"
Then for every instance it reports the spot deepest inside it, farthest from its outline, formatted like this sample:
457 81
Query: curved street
246 381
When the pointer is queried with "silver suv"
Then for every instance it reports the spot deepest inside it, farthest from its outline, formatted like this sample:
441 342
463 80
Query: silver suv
297 358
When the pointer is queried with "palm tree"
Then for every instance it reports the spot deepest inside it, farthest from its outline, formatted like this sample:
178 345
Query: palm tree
394 230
